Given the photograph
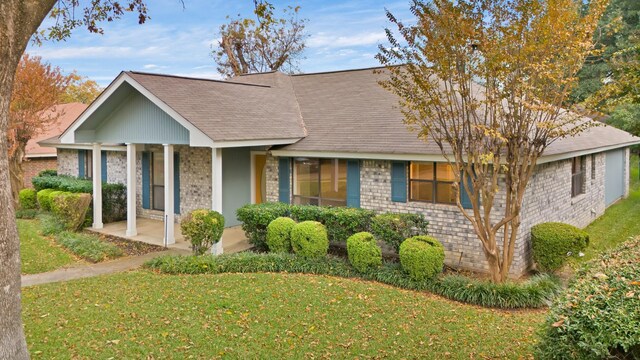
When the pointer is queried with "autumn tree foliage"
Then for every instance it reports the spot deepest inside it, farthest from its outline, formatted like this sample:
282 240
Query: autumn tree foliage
485 81
80 89
36 89
265 43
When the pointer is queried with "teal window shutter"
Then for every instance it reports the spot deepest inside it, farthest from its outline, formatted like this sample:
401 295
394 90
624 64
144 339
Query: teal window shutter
353 183
465 200
176 183
284 177
399 181
146 181
81 169
103 159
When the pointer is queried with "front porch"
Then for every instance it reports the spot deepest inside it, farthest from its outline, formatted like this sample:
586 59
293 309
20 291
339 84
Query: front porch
152 232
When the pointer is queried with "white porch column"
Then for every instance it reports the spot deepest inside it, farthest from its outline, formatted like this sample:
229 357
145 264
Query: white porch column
216 190
132 229
169 237
97 186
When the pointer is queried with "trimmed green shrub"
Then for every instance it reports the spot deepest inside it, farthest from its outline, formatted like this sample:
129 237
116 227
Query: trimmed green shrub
535 293
342 222
49 172
88 247
71 208
202 228
363 252
302 213
554 242
256 217
422 257
393 228
44 201
279 235
26 213
50 224
52 195
598 316
28 199
309 239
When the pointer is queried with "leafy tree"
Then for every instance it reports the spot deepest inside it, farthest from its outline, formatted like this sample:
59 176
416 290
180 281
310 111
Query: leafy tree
80 89
485 80
264 44
36 89
619 25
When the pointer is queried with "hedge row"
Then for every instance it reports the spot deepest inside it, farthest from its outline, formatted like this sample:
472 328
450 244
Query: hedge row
70 208
114 196
340 222
535 293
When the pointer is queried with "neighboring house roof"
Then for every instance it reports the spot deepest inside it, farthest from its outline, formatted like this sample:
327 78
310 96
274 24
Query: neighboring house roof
341 112
68 114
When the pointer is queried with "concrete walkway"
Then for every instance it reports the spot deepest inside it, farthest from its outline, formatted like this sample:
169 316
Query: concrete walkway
84 271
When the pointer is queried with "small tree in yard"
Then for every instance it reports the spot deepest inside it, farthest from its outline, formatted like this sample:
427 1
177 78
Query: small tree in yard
485 80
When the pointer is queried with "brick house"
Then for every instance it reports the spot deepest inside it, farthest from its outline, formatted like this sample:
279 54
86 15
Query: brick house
334 138
39 158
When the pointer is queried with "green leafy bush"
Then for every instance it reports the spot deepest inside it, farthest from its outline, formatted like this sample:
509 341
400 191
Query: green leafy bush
71 208
393 228
44 201
598 316
88 247
50 224
28 199
342 222
52 195
256 217
26 213
202 228
554 242
535 293
422 257
309 239
49 172
302 213
279 235
363 252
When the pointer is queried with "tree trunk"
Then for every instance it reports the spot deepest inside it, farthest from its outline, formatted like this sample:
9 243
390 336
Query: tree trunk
16 172
19 19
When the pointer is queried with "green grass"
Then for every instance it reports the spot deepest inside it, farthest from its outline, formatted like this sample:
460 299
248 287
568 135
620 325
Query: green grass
145 315
619 223
39 254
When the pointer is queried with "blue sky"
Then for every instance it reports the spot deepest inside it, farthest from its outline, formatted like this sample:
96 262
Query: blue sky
342 35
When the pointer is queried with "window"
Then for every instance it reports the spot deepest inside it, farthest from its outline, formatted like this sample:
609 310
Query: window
157 180
87 172
320 182
593 166
577 176
431 182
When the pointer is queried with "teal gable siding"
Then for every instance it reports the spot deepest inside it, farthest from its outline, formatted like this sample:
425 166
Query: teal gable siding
136 120
236 182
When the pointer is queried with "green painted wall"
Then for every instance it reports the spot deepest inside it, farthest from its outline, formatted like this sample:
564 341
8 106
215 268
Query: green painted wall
236 182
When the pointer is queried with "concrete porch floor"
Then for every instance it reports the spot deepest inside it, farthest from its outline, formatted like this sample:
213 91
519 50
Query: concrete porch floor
152 232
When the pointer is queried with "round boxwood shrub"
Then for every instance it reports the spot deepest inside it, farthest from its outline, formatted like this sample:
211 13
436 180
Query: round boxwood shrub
279 235
28 199
309 239
363 251
202 228
44 201
554 242
422 257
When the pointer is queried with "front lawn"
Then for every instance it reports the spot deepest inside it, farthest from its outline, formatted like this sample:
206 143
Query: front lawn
39 254
146 315
619 223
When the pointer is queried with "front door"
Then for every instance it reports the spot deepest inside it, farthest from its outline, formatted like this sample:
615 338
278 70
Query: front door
157 181
259 178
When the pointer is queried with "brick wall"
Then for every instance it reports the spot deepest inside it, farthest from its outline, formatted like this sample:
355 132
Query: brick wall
68 162
33 166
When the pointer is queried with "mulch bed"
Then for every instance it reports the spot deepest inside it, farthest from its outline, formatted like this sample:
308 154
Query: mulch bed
129 247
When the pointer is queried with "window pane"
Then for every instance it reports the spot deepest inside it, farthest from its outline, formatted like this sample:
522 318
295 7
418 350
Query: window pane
333 179
421 171
445 193
422 190
158 168
88 164
158 197
444 172
305 176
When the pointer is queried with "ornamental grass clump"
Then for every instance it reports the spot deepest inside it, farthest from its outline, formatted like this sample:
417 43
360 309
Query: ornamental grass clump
202 228
309 240
553 243
364 253
422 257
279 235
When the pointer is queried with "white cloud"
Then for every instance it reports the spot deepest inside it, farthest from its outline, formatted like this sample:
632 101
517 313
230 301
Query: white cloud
326 40
93 52
153 67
